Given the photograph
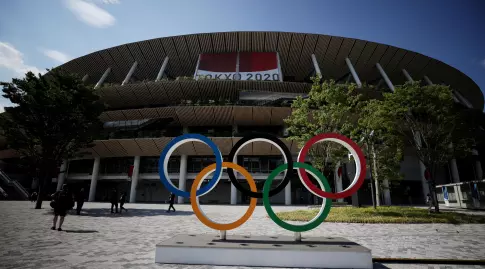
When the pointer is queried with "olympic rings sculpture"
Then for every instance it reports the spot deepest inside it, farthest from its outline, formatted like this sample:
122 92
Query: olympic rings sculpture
287 168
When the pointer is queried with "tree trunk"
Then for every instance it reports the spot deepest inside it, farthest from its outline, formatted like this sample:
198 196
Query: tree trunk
375 176
433 189
40 195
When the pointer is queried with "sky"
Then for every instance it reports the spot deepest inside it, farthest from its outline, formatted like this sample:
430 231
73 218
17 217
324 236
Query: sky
35 35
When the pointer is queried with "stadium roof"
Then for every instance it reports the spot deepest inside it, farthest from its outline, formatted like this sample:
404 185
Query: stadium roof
295 51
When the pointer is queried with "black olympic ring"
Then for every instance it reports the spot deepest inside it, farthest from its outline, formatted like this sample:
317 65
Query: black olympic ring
286 153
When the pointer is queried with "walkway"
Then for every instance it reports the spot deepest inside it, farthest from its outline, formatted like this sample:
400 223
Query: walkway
98 239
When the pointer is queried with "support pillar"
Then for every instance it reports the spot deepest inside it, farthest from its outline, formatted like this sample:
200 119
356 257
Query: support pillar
100 82
130 73
338 181
94 179
288 194
428 81
183 171
387 192
385 77
162 69
234 192
462 99
408 77
352 71
454 171
182 176
197 68
455 175
62 175
233 188
134 179
279 67
478 165
315 65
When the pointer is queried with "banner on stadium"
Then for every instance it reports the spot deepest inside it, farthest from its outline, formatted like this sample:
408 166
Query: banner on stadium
261 66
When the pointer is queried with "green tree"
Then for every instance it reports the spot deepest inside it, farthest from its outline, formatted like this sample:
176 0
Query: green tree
54 116
329 107
383 148
427 118
345 109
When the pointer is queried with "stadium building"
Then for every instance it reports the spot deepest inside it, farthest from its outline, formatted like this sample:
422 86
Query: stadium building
159 89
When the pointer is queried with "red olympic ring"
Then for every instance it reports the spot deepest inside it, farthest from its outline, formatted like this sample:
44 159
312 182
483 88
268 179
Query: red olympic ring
354 186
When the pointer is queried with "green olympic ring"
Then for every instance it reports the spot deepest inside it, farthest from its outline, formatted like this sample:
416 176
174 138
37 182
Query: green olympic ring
324 210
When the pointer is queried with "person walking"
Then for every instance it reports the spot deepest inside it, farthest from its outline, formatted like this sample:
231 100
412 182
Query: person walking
114 200
122 202
61 202
171 200
79 201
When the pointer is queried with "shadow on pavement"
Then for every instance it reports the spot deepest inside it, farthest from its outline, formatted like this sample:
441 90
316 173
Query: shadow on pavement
80 231
380 266
134 212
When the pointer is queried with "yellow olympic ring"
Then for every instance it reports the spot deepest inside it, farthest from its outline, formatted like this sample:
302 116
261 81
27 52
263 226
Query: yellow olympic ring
194 200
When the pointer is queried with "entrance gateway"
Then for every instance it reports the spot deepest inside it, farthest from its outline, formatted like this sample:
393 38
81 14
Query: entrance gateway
281 251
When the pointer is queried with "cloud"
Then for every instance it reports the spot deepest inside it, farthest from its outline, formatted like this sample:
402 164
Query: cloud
482 62
110 1
56 55
12 59
90 13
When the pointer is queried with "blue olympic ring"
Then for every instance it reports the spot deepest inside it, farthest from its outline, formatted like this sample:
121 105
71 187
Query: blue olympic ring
170 148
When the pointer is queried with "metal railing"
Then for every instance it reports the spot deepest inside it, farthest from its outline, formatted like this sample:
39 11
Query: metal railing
12 182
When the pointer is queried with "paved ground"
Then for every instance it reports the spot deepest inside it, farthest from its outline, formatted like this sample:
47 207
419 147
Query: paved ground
98 239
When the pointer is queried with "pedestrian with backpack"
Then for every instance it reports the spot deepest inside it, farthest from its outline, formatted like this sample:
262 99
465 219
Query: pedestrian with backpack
61 202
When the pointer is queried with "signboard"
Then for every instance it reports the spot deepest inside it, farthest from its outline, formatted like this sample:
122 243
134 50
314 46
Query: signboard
261 66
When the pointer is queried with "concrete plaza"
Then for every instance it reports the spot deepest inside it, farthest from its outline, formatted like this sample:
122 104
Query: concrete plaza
99 239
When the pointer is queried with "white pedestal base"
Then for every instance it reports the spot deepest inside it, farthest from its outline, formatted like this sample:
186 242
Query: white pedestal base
271 251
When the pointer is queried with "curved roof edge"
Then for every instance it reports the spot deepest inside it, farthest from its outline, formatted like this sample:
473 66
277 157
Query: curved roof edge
295 51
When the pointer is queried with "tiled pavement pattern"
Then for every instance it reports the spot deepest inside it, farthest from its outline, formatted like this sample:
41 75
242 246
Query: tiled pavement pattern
98 239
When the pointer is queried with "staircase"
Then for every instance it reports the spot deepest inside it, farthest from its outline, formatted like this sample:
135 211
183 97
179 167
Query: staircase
23 193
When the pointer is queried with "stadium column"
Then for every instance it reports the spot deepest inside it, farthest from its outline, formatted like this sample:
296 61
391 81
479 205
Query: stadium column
62 175
454 168
183 172
385 77
352 71
338 180
94 180
233 188
455 175
288 187
101 80
478 165
162 69
130 73
288 194
408 77
315 65
134 179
